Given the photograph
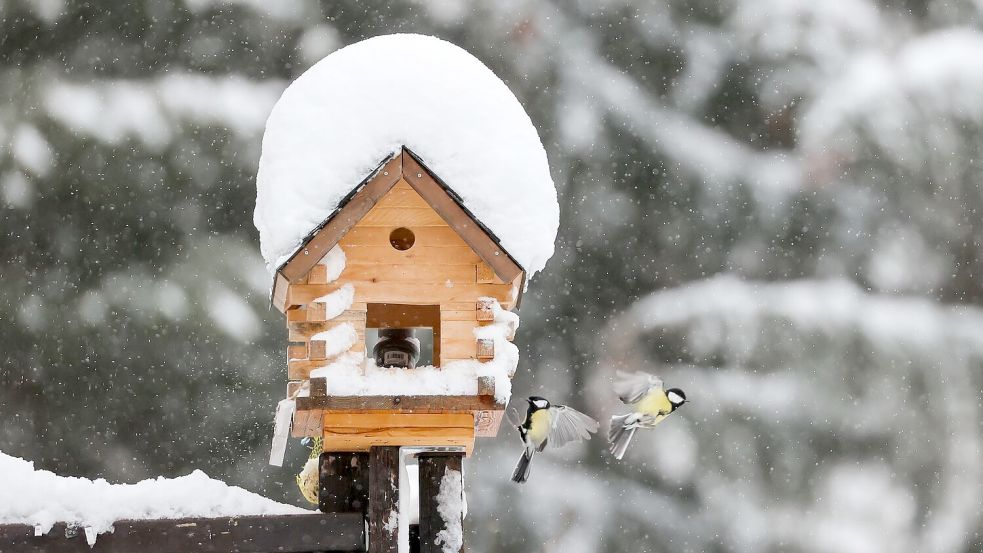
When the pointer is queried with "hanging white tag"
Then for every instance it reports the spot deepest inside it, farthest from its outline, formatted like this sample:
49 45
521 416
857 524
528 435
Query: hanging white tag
281 430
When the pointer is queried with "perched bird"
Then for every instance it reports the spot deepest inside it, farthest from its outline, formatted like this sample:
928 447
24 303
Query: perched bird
307 480
556 425
651 404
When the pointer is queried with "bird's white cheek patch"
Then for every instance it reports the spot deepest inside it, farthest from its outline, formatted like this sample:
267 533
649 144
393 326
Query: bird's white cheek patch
674 397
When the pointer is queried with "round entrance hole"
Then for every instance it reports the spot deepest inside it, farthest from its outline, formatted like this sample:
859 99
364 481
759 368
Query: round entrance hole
402 238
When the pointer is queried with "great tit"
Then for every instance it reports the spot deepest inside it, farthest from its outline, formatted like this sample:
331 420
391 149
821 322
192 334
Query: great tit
308 478
556 425
644 392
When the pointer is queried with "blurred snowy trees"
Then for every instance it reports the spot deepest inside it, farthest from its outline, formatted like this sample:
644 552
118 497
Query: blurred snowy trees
775 204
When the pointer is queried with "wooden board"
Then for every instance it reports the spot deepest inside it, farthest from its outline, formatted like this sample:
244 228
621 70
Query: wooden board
316 312
395 315
486 275
296 313
403 195
306 422
300 369
410 273
462 330
399 404
383 499
485 422
343 483
433 237
398 420
318 388
486 349
419 294
461 315
244 534
279 295
458 349
296 351
363 441
401 217
485 311
319 350
418 254
318 274
300 332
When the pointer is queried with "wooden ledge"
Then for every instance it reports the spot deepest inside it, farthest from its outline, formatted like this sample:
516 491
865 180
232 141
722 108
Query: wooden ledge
400 404
245 534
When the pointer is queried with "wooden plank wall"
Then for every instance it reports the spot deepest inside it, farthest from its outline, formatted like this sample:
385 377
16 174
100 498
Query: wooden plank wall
439 269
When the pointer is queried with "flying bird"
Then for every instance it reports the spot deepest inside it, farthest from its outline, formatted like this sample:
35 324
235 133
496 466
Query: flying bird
555 425
650 404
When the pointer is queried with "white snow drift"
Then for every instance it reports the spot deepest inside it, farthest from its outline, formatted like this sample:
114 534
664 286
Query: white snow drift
41 498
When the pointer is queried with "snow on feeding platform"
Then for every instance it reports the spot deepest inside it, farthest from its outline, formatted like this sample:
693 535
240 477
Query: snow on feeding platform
335 124
352 374
41 498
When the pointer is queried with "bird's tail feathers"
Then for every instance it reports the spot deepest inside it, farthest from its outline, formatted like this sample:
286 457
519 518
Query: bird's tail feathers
522 468
620 435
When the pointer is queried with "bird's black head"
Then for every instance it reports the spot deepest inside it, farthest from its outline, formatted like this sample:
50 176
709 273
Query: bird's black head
536 403
676 397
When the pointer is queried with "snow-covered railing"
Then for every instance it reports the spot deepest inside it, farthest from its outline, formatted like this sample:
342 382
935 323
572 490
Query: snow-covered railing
244 534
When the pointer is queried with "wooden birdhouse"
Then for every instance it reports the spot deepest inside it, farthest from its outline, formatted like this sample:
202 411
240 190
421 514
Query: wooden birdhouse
401 251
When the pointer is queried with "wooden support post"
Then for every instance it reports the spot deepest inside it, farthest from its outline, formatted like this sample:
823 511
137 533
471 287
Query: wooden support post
384 499
434 467
344 483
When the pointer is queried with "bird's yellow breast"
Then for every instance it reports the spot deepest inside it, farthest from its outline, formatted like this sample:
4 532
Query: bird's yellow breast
540 427
654 403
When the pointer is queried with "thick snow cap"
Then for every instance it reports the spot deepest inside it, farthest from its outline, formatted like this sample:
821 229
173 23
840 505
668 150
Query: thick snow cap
351 110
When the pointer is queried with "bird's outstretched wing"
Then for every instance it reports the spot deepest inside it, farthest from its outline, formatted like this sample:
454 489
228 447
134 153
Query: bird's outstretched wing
512 414
568 424
631 387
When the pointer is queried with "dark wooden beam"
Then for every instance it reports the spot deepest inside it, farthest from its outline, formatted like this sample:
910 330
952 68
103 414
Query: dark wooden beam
400 404
383 499
344 483
246 534
433 467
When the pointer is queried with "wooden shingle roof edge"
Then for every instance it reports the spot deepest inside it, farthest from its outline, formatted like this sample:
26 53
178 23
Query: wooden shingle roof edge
402 164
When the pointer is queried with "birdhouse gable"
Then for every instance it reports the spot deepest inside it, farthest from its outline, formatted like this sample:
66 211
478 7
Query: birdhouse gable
403 225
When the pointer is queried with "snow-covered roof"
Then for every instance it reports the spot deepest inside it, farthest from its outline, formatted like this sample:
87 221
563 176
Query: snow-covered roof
336 123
